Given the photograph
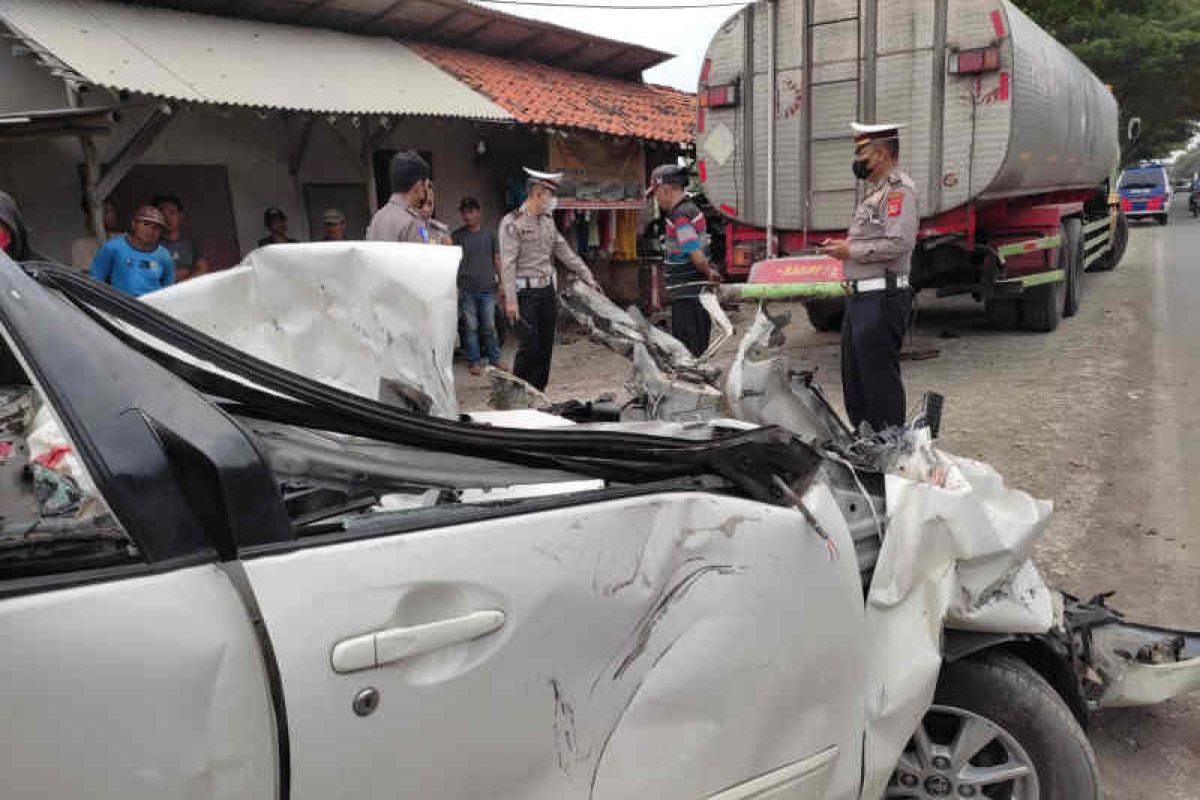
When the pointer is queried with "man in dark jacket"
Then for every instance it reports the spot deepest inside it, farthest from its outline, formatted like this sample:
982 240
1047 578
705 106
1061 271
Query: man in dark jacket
14 239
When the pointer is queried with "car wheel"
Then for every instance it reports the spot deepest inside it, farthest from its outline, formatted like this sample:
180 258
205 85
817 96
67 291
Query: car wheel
826 315
1164 219
1070 260
996 731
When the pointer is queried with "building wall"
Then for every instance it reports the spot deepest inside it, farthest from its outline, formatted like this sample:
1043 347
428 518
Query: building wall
44 175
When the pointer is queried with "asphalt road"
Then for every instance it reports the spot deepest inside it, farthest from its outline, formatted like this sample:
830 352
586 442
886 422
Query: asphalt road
1102 417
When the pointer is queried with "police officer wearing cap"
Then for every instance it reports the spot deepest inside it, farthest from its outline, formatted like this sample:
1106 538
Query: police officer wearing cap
529 243
685 256
877 255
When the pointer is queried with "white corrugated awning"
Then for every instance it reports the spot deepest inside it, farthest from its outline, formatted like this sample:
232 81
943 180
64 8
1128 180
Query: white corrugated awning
208 59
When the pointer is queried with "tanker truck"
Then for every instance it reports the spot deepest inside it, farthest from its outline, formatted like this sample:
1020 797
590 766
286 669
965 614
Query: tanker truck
1012 142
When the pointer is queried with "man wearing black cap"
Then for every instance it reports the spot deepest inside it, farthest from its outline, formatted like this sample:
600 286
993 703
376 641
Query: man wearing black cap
276 223
877 257
685 254
529 243
400 218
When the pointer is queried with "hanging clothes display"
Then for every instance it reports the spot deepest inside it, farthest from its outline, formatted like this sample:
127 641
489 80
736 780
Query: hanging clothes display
625 247
593 230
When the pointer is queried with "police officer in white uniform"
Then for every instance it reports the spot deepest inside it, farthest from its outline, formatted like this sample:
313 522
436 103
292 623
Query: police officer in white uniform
877 255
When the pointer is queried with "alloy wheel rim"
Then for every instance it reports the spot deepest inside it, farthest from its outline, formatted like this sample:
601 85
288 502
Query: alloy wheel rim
956 753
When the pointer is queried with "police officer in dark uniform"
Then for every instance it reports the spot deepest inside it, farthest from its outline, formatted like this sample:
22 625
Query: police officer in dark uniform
685 256
877 255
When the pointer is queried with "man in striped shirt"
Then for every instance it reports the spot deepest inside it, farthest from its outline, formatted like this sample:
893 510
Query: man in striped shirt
685 250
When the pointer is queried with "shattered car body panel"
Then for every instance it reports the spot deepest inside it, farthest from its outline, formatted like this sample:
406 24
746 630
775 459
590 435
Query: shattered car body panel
642 621
760 599
379 318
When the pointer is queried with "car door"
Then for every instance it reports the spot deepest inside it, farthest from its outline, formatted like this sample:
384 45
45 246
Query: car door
600 645
131 668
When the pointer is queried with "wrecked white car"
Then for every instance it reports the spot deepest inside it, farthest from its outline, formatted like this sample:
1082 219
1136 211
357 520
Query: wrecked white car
290 568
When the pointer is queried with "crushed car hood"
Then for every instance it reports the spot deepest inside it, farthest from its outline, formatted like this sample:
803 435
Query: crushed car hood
361 316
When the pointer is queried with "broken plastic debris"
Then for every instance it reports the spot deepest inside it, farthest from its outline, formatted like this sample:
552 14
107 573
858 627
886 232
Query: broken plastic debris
57 494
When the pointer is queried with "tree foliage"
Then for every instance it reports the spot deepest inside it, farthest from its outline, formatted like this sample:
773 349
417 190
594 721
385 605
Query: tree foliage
1148 50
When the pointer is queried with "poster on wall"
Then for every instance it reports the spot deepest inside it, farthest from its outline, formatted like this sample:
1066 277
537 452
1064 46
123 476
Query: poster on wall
597 169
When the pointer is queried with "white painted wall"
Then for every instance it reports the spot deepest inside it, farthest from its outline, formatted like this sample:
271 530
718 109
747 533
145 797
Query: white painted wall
44 175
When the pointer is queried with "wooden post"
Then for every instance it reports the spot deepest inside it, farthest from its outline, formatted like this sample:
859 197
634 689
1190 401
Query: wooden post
368 168
91 177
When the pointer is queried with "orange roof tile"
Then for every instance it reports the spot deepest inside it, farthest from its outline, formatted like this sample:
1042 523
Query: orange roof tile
542 95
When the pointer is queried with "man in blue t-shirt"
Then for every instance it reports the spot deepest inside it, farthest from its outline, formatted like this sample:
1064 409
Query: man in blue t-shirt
136 263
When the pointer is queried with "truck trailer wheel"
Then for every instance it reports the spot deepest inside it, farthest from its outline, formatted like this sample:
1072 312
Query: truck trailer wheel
826 314
1003 313
1070 260
996 731
1120 239
1042 306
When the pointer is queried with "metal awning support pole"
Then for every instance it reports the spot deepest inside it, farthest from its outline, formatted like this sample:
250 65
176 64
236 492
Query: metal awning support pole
91 178
368 166
771 103
91 174
134 149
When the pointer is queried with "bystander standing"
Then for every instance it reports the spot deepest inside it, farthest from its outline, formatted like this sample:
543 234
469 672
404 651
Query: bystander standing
14 239
478 277
83 249
333 223
136 263
400 218
188 257
276 223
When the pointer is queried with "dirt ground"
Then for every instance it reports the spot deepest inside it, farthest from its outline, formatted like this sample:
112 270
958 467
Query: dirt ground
1102 417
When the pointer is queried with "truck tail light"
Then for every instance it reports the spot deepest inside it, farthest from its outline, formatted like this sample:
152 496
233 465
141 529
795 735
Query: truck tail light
719 96
973 62
743 256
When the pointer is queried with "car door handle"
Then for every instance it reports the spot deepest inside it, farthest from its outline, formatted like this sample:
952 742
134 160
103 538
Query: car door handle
396 644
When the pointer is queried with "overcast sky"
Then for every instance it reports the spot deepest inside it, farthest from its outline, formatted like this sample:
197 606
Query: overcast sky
684 33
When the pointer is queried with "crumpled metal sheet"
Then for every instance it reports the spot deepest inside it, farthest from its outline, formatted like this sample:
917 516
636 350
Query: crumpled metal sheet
355 315
956 555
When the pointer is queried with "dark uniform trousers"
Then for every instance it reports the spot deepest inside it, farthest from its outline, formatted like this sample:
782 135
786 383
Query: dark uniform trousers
539 311
872 333
691 324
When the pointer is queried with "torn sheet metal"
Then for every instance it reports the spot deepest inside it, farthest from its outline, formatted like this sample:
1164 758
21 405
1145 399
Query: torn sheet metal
761 387
620 329
360 316
659 396
956 555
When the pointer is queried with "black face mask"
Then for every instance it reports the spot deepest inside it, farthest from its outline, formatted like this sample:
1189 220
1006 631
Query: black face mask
861 168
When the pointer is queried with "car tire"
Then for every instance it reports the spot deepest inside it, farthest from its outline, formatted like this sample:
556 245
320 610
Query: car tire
1120 240
1164 219
1071 257
992 717
1041 307
826 314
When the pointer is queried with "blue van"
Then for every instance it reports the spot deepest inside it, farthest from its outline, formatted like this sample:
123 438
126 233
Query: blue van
1146 192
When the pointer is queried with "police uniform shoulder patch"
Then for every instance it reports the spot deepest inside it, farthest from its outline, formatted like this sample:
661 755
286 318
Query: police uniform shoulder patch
895 204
